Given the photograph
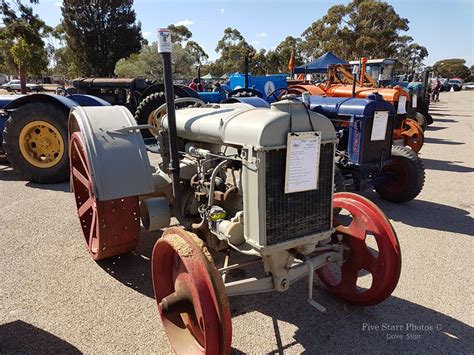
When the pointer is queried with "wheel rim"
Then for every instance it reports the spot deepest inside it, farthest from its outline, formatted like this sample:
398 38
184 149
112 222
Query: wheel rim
385 267
413 135
154 119
399 176
190 295
110 227
41 144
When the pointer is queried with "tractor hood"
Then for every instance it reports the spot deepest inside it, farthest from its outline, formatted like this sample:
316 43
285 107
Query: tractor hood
245 125
335 106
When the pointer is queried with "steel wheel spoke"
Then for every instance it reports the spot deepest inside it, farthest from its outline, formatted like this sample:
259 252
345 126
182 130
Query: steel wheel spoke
85 207
348 278
93 226
82 179
84 165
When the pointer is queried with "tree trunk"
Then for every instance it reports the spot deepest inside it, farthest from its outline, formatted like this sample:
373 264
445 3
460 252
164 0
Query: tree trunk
22 78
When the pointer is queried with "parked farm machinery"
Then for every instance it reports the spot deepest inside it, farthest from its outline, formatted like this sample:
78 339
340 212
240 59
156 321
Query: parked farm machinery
33 128
238 180
33 132
406 131
365 155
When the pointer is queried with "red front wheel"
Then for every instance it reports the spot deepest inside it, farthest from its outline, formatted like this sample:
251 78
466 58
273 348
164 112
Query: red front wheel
372 264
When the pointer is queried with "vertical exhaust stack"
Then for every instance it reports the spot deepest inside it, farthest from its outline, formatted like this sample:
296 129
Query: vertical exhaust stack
164 48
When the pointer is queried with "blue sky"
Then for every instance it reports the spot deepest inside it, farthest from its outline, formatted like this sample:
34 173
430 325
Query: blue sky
444 27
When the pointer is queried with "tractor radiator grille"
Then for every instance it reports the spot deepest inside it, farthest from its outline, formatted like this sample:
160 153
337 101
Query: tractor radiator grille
298 214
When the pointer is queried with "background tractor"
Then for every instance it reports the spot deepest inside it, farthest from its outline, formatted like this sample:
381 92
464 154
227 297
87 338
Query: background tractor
406 131
33 132
33 128
235 178
365 155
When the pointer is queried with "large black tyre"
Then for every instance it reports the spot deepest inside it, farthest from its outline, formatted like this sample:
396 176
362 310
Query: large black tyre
44 115
407 176
146 108
419 117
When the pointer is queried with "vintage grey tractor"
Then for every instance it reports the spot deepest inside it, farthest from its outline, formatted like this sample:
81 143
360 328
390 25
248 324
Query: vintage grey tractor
239 180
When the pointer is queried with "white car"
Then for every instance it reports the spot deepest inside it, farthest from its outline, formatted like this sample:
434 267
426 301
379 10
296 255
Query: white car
468 86
13 85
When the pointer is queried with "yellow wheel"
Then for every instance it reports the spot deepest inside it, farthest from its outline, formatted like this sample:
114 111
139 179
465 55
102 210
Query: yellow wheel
41 144
154 119
35 142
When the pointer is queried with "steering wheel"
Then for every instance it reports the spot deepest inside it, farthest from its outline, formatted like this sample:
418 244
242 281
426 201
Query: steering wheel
279 96
246 92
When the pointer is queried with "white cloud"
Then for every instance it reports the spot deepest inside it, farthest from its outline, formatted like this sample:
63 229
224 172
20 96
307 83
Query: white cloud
146 34
58 4
255 42
262 34
184 23
222 11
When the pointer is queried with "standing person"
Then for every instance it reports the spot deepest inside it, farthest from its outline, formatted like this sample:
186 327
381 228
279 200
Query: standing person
216 87
195 85
436 89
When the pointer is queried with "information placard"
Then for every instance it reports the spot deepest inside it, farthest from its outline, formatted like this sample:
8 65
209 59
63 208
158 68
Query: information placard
402 104
164 40
379 127
302 161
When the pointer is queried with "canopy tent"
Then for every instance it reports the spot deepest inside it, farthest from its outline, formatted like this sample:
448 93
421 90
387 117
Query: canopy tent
320 65
208 77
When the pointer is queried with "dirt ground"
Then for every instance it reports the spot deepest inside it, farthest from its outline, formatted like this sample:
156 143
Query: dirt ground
54 298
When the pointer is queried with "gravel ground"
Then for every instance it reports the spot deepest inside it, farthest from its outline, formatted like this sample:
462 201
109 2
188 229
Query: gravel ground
54 298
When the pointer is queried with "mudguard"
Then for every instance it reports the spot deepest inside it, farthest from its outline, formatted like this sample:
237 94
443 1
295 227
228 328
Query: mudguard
54 99
88 100
117 156
253 101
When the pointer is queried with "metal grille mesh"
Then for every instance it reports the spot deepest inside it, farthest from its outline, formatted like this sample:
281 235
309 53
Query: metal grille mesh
298 214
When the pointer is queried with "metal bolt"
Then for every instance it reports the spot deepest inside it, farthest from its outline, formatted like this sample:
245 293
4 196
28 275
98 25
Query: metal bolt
284 283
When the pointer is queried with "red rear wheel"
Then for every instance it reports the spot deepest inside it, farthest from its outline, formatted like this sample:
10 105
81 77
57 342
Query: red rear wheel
110 227
372 249
190 294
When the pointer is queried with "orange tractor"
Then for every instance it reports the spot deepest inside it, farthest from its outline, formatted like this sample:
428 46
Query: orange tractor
407 131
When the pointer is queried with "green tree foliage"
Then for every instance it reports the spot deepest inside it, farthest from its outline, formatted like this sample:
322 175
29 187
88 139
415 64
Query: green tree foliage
367 28
232 48
99 33
22 42
283 54
148 63
179 33
410 55
196 51
452 68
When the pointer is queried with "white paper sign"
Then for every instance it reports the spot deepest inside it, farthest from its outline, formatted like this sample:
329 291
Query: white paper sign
402 105
164 40
302 161
414 101
379 127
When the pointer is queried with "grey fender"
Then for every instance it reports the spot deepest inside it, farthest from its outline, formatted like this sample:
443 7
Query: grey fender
117 157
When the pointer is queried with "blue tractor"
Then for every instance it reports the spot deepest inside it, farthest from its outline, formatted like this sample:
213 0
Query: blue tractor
33 128
33 133
365 155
